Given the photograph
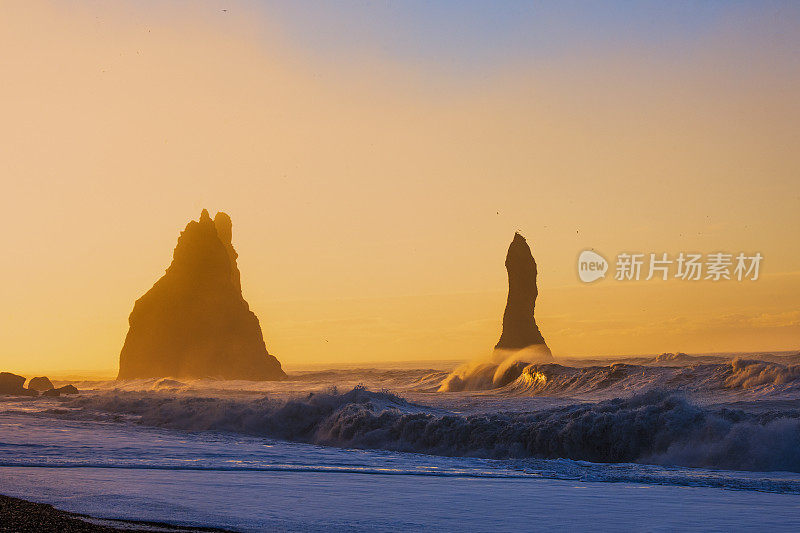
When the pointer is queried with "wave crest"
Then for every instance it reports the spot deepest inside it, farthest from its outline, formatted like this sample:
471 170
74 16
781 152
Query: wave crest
514 375
653 427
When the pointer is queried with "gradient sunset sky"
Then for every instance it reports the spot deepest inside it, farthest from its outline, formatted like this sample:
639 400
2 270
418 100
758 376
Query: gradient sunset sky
376 159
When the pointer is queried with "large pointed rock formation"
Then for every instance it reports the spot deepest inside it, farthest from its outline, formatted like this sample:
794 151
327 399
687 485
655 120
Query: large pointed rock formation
194 322
521 343
519 326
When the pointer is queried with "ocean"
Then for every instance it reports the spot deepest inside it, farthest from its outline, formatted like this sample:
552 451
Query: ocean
652 443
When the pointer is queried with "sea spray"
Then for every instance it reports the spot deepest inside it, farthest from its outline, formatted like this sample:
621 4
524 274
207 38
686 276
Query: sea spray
520 373
655 427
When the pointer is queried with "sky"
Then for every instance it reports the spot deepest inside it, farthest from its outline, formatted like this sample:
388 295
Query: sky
376 159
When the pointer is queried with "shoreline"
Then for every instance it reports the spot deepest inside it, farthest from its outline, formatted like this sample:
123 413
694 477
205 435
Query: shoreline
24 516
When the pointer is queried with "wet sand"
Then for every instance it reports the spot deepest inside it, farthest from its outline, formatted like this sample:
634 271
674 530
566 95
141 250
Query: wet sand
21 516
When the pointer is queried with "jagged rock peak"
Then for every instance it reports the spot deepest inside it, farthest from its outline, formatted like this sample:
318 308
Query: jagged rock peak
224 227
225 233
194 321
519 325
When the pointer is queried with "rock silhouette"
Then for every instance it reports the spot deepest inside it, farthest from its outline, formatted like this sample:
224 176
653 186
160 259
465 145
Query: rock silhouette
66 389
521 342
519 326
194 322
40 383
13 384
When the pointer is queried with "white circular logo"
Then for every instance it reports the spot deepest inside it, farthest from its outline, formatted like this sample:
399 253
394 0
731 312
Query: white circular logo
591 266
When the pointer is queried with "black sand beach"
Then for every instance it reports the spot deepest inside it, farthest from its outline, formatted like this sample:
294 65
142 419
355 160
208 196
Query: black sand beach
21 516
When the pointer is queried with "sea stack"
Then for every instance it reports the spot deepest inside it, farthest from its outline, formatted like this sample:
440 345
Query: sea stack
194 322
519 326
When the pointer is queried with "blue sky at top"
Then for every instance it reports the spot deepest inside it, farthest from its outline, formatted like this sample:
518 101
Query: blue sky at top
468 36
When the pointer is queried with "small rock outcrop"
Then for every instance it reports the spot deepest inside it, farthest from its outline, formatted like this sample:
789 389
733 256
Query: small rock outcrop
194 322
13 385
66 389
519 325
40 384
10 382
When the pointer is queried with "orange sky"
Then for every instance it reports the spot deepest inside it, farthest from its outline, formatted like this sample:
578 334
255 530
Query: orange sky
373 198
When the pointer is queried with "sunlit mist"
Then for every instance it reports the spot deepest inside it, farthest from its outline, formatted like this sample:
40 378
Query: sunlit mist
375 186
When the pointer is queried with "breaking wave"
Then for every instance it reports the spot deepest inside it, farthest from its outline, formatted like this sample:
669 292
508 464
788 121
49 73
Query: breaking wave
496 370
742 377
655 427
